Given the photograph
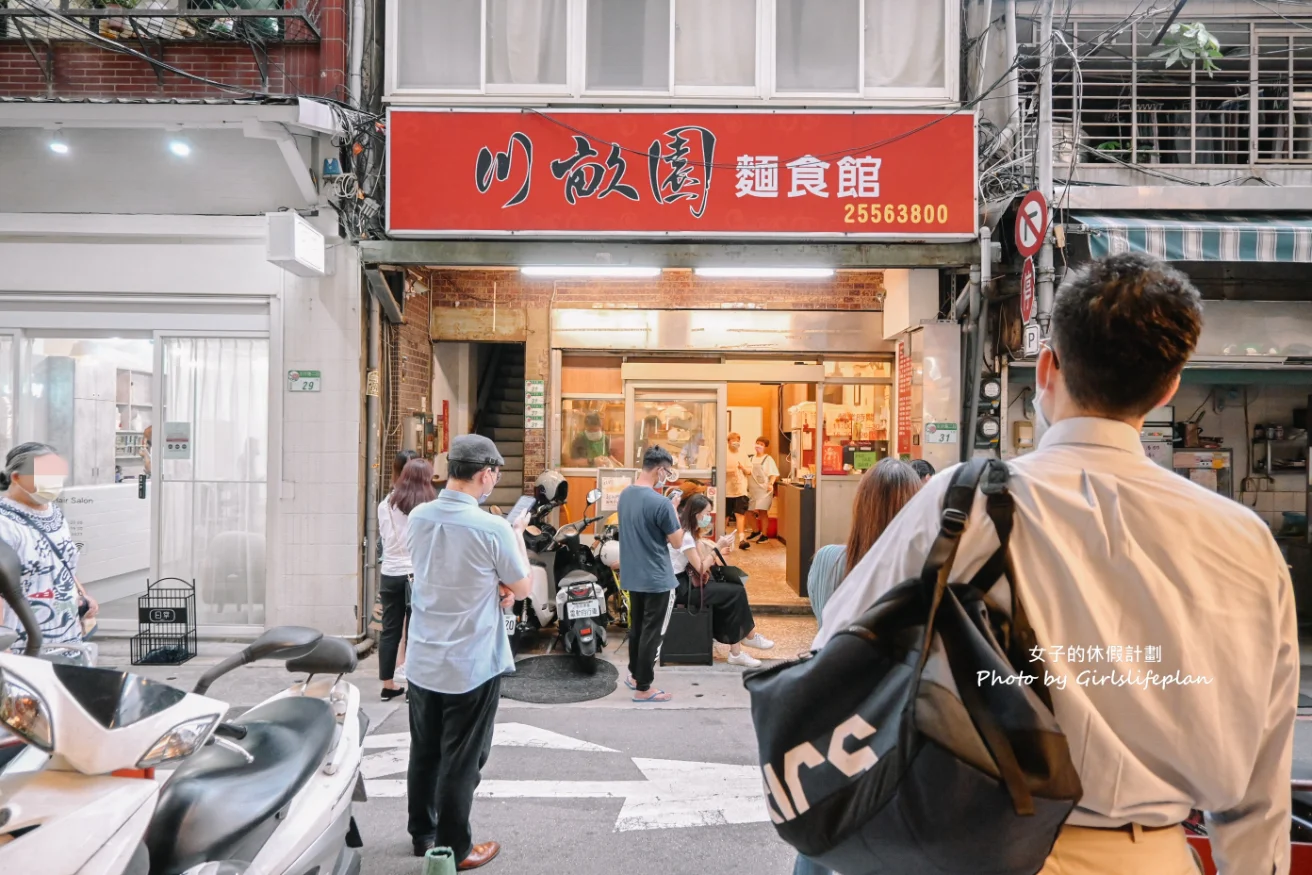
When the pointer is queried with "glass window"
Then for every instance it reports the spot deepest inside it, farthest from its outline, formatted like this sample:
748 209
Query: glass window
685 427
905 51
628 45
856 428
857 369
6 393
526 42
715 43
437 43
818 44
591 433
591 375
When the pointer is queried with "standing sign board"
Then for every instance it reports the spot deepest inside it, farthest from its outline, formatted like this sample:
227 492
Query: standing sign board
611 482
1031 224
659 173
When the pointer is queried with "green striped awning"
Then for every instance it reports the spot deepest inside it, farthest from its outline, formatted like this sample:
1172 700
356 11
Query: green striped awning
1198 236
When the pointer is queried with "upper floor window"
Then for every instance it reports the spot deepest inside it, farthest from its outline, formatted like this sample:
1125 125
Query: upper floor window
644 49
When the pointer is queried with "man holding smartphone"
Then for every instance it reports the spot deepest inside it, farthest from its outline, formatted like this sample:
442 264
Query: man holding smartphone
468 565
649 525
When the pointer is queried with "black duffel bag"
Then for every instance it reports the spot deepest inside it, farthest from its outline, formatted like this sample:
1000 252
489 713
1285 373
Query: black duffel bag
883 755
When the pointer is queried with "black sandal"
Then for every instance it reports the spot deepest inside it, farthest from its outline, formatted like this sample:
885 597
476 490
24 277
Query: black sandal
389 695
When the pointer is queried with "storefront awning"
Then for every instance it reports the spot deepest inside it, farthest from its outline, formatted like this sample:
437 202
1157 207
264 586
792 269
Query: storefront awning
1198 236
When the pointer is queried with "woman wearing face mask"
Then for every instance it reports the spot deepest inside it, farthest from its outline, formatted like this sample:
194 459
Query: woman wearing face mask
34 527
731 618
760 487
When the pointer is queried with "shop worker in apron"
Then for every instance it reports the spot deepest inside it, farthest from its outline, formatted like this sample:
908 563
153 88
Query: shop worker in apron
1127 568
468 564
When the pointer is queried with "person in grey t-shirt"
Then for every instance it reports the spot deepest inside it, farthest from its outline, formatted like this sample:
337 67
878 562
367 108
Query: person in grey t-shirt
649 525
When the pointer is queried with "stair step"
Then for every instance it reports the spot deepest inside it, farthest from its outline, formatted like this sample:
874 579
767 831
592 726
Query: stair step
501 434
513 463
509 449
511 479
504 420
506 496
512 395
512 407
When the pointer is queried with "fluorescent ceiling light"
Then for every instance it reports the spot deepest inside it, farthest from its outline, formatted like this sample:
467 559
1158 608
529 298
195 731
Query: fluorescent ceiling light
781 273
57 144
180 147
592 271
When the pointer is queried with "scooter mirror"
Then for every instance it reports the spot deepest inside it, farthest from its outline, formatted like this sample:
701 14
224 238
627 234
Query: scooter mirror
594 496
11 590
280 642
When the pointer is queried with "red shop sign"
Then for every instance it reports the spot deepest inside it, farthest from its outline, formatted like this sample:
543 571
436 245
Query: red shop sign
635 173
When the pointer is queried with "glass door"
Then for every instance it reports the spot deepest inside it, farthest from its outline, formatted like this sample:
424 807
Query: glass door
211 453
8 379
689 421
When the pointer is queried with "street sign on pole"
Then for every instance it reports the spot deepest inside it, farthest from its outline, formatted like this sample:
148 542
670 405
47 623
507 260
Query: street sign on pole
1027 291
1032 340
1031 224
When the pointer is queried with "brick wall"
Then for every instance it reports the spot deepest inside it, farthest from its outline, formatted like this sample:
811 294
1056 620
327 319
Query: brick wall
673 290
408 380
87 70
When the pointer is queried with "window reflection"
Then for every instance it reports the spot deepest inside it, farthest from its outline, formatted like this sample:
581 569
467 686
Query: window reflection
684 427
592 433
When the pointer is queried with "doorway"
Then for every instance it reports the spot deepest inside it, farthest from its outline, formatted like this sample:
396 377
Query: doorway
166 435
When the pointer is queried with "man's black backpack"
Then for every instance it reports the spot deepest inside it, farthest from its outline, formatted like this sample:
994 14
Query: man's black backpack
883 754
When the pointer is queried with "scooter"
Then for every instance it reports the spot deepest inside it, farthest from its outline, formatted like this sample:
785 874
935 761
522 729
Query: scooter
606 550
565 587
268 793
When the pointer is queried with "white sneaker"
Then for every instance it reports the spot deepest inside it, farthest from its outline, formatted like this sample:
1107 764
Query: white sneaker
745 659
399 675
758 642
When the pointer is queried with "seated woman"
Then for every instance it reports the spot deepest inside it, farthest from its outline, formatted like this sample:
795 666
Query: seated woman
731 618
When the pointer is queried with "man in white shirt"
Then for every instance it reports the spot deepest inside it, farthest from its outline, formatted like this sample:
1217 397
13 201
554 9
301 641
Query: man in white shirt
1127 568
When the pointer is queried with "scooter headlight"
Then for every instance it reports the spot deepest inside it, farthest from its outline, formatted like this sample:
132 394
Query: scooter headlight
181 741
25 713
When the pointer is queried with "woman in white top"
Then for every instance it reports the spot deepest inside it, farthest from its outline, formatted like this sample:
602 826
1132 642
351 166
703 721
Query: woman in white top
413 488
34 527
731 617
760 489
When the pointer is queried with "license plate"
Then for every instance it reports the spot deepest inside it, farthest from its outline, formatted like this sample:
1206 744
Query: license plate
579 610
511 622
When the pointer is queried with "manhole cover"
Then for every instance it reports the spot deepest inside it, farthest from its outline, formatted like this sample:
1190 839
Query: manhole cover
558 680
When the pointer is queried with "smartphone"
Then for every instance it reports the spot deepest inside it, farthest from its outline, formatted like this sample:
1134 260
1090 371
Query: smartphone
521 509
675 495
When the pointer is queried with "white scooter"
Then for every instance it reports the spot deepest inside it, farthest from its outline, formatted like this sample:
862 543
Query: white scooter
268 793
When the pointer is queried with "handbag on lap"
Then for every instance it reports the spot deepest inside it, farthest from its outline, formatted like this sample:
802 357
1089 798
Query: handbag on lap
885 754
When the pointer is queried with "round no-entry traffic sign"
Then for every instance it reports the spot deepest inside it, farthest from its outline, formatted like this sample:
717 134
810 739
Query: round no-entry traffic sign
1027 291
1031 223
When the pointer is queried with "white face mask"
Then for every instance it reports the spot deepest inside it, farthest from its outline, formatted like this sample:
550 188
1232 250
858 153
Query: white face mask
486 495
734 445
594 435
1041 424
48 487
760 450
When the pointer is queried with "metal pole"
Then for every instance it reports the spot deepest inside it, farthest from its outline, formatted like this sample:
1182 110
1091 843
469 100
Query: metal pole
373 467
1044 159
354 82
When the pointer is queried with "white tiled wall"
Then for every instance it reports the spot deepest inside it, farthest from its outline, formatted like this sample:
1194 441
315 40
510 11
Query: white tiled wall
320 495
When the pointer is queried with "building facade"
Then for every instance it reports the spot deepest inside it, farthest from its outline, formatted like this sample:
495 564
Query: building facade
181 312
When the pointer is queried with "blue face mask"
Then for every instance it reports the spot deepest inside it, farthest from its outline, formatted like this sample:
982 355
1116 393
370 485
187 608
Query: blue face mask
704 521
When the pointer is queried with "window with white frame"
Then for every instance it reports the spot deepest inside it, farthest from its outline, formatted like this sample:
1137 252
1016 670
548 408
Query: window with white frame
786 49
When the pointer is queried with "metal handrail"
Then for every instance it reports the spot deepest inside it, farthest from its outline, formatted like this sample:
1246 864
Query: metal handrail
167 24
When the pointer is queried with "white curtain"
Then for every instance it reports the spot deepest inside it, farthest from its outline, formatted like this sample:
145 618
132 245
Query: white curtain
213 505
526 42
628 45
715 42
817 44
902 50
438 43
6 393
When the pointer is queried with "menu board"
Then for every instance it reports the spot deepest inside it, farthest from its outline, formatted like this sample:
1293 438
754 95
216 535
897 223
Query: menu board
903 399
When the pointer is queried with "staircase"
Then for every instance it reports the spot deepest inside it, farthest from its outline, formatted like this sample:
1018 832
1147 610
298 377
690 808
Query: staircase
500 417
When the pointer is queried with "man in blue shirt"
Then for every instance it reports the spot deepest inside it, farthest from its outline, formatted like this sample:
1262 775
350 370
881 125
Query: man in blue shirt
468 564
649 527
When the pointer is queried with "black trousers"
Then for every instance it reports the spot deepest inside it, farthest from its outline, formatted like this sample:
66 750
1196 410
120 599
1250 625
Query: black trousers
394 593
649 617
450 739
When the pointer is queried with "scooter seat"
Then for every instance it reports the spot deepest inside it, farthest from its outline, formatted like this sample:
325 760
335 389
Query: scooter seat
217 806
575 578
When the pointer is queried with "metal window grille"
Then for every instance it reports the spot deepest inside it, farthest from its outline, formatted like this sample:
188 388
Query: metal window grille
166 623
1119 104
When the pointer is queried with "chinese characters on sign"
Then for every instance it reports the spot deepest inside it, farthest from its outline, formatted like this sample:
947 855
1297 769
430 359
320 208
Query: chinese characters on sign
535 404
177 440
797 173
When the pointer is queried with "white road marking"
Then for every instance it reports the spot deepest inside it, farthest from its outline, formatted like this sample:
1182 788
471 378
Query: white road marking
504 735
676 794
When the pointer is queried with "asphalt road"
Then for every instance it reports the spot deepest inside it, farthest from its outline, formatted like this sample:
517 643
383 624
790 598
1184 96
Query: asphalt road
582 836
